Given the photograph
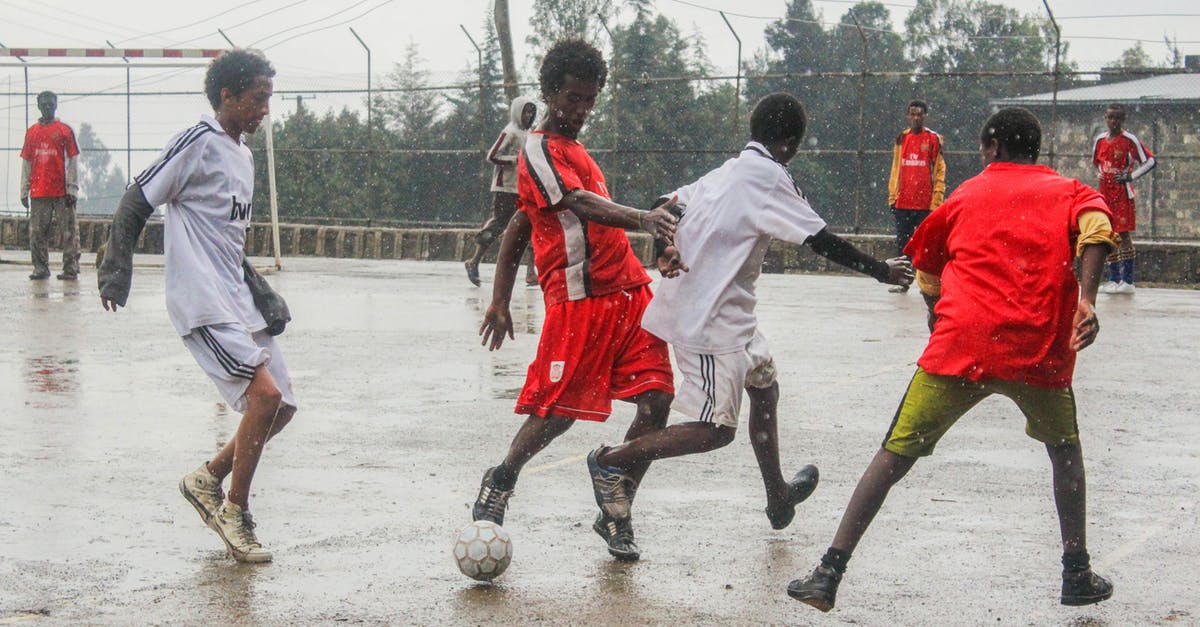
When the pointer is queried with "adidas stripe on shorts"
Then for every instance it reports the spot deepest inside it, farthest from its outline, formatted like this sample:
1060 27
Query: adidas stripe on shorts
229 353
712 385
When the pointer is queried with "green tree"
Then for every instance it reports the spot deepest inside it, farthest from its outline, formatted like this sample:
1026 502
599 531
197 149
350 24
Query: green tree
1134 57
101 182
556 19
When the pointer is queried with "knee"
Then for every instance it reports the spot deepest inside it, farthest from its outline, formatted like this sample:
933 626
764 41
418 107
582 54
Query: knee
264 394
654 408
722 436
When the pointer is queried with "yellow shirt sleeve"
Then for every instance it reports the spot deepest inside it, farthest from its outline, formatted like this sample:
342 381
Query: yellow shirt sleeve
894 177
1094 228
930 284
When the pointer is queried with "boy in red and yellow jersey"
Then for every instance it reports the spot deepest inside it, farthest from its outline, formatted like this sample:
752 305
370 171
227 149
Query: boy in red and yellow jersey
1007 317
917 183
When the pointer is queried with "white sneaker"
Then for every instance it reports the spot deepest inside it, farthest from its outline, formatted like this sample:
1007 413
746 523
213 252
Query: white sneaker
236 528
203 490
1124 288
1109 288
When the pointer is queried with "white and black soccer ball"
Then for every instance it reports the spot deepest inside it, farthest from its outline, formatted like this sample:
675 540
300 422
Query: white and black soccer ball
483 550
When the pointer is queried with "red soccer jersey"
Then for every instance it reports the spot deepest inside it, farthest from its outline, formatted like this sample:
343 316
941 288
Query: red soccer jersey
1113 156
44 149
575 258
1003 244
918 157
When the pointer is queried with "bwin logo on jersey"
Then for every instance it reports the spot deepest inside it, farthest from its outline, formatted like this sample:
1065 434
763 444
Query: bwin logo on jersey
240 211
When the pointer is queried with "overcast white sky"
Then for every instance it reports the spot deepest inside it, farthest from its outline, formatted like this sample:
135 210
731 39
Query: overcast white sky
311 46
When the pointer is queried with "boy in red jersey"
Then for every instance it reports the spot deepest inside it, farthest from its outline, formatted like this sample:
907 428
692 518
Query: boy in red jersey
49 175
592 348
917 183
1007 317
1121 158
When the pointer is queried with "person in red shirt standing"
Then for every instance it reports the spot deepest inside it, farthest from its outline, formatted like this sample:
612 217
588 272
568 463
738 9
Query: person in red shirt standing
1121 158
592 347
917 183
49 188
1007 317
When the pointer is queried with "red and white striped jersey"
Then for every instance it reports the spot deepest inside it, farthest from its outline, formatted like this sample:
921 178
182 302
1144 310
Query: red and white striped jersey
575 258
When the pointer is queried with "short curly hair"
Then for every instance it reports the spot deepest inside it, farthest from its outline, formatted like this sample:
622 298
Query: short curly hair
1015 128
777 117
235 69
574 57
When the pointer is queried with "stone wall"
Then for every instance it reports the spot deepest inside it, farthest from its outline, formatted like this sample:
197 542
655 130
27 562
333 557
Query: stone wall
1159 262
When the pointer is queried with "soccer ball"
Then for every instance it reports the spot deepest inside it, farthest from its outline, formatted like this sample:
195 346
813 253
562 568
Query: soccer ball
483 550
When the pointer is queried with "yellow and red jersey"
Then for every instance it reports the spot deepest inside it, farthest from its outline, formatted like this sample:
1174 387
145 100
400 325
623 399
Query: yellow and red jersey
918 177
576 258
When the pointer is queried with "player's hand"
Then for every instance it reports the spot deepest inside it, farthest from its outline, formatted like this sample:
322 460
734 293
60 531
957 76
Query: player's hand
1086 327
1123 177
900 271
670 264
659 221
25 201
110 304
496 323
71 200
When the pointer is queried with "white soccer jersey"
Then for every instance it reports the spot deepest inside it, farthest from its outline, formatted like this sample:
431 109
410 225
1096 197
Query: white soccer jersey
732 214
206 180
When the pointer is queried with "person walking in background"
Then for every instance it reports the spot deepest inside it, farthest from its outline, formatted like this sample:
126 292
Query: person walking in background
1121 158
592 348
1007 317
917 183
49 189
205 177
503 155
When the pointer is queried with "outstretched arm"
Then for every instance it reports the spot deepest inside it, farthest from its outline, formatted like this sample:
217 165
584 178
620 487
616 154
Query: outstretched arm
497 321
116 271
658 222
896 271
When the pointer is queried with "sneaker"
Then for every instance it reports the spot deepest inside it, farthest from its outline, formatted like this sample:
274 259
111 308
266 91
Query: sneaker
1109 288
203 490
1084 588
819 589
610 488
68 276
472 273
1124 288
898 289
619 536
39 276
492 502
236 528
799 488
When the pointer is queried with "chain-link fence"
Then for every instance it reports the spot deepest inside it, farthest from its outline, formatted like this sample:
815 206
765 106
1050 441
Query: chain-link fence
415 156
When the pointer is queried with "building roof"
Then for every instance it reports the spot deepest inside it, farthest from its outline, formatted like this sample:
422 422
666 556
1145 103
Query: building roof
1182 88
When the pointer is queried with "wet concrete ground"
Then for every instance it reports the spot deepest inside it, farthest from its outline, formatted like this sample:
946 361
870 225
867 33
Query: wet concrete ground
401 410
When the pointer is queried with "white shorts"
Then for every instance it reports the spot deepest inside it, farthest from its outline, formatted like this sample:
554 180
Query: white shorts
229 353
711 390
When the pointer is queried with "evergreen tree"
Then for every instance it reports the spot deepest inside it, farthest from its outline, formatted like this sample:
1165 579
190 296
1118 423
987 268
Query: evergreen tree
101 182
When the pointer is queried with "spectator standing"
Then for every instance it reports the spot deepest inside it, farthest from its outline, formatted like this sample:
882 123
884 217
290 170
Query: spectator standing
917 183
1121 158
49 188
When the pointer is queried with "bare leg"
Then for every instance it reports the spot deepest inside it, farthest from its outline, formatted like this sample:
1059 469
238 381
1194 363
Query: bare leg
653 410
1070 495
884 471
533 436
222 463
262 402
676 440
764 438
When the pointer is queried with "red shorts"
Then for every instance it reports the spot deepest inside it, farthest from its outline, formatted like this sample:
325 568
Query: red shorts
592 351
1124 218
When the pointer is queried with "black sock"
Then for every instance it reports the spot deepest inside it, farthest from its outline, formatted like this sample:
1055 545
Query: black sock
836 559
1076 561
505 477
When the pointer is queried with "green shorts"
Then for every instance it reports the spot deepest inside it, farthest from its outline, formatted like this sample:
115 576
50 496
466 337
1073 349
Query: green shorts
933 403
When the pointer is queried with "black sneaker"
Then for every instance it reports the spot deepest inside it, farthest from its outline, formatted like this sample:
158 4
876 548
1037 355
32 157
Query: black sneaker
1084 588
68 276
610 488
492 501
819 589
799 488
39 276
619 536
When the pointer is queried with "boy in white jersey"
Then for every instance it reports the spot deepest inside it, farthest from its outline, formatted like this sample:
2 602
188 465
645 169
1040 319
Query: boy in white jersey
205 177
729 218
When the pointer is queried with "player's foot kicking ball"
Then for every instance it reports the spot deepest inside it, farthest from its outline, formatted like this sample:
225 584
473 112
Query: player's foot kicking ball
610 487
203 491
472 272
818 589
492 502
619 536
236 528
799 488
1084 588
